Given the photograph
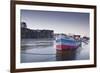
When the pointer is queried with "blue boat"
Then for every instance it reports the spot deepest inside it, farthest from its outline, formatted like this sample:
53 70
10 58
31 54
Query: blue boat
66 43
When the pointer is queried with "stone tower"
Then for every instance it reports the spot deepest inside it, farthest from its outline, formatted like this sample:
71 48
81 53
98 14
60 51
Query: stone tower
23 25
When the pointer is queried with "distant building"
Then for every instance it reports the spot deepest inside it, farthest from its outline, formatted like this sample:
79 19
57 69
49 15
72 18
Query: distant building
35 34
23 25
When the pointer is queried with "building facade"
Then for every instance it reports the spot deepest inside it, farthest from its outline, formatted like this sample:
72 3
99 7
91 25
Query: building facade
35 34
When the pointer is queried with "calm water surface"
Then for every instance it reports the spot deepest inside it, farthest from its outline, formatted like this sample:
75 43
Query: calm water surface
33 50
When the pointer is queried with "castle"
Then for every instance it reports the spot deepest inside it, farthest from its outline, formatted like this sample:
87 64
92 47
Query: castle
27 33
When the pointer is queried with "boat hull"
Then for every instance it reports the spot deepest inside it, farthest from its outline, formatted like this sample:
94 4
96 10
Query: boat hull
66 44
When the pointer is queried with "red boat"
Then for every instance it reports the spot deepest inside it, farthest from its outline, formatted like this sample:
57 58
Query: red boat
66 43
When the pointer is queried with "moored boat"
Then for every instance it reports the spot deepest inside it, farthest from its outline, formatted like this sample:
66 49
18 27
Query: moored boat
67 43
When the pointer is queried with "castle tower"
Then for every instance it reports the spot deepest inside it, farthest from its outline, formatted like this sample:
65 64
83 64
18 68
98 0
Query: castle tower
23 25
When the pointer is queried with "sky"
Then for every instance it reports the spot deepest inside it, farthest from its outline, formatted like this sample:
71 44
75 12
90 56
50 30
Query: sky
60 22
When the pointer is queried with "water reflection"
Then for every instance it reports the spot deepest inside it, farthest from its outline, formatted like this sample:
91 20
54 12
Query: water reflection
37 51
65 55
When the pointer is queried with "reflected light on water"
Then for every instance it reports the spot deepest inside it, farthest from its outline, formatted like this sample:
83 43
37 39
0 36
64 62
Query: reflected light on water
35 51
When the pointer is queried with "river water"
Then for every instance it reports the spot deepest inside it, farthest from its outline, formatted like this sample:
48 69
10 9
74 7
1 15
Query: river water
42 50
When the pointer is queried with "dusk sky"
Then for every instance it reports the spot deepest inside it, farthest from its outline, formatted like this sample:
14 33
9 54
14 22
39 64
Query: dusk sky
60 22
